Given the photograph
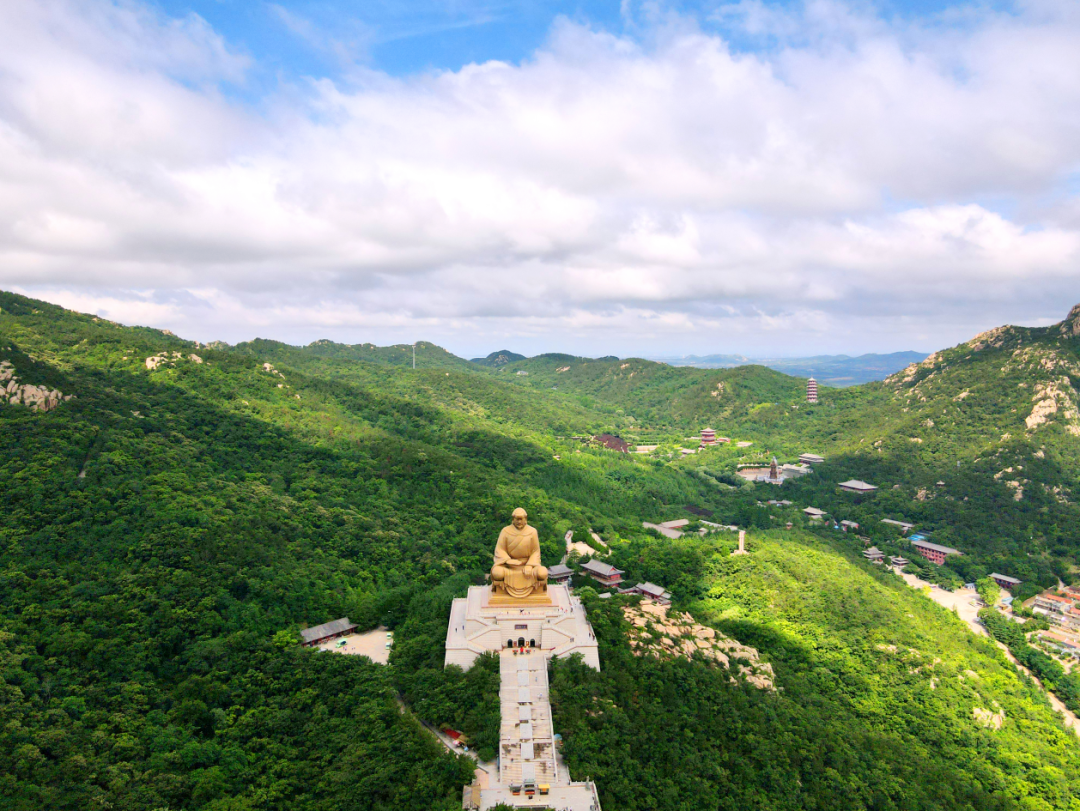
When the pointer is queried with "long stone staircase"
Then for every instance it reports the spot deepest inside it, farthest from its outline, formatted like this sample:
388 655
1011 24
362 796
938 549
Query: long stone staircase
526 735
531 773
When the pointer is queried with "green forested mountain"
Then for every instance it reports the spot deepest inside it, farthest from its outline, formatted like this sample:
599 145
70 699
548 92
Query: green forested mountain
648 398
995 420
426 355
499 358
173 513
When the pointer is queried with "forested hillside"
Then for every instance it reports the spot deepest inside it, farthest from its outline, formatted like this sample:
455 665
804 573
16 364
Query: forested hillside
174 513
647 399
164 526
426 355
879 696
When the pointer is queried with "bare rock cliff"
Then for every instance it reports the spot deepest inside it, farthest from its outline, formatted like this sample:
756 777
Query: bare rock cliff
1071 325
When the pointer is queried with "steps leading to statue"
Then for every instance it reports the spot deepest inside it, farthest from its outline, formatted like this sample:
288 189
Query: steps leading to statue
525 723
560 629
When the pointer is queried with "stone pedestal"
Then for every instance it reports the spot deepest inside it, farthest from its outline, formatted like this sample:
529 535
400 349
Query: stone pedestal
506 601
483 622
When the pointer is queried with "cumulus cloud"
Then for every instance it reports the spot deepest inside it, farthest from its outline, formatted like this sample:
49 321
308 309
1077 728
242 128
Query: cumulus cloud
847 183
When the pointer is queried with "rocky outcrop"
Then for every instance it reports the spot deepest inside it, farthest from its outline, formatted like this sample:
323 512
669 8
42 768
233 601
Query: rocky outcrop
990 339
166 359
909 373
656 632
36 398
1053 398
1070 327
988 719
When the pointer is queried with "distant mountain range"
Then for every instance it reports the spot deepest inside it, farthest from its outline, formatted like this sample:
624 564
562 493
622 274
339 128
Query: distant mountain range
831 370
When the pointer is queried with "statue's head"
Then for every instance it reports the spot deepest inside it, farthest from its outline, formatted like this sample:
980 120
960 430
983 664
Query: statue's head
520 518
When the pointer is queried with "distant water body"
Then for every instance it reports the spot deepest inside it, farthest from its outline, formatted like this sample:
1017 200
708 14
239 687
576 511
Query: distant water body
830 370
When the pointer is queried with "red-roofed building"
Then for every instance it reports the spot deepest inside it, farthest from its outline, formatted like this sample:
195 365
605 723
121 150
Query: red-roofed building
603 573
933 552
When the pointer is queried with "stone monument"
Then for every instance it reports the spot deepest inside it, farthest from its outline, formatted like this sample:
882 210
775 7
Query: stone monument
517 576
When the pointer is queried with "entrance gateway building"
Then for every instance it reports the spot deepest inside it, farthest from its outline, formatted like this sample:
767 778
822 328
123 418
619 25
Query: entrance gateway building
525 620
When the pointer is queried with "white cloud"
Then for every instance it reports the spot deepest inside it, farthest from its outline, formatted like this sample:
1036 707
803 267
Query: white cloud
665 191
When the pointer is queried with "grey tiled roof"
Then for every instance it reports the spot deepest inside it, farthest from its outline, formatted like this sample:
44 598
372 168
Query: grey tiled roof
857 484
603 569
652 589
327 629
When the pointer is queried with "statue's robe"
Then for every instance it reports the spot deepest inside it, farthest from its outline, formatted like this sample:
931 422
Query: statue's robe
518 545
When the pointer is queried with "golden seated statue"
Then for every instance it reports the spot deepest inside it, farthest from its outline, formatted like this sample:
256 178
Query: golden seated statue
517 575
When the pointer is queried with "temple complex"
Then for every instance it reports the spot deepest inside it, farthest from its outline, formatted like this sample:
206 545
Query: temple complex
774 473
525 620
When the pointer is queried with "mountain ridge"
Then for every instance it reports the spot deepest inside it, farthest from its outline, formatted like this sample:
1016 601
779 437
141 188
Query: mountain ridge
830 370
498 358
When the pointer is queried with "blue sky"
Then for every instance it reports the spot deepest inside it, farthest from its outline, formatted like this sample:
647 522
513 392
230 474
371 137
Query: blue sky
762 178
316 37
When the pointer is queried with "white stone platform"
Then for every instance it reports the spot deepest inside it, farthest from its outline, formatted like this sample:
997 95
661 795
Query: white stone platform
526 737
559 629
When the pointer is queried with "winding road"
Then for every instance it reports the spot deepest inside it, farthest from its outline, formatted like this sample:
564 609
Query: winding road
960 602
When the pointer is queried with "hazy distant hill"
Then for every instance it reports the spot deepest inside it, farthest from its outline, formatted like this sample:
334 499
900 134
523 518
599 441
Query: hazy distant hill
832 370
